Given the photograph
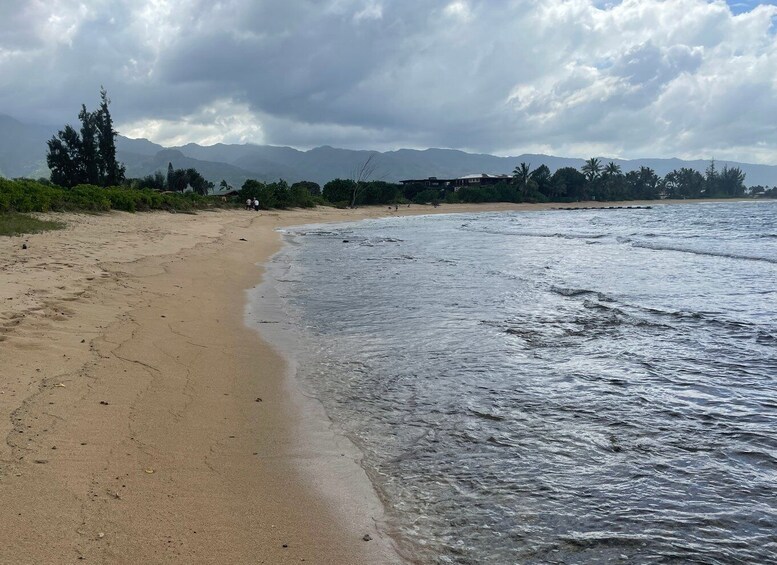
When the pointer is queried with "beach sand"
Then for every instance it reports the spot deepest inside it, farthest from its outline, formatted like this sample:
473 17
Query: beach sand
144 422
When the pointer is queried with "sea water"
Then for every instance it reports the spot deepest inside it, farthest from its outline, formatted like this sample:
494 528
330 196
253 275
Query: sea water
591 386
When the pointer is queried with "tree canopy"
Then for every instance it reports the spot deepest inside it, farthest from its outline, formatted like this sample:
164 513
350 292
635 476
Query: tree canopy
88 156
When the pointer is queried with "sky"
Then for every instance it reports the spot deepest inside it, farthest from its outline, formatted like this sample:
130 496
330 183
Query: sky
576 78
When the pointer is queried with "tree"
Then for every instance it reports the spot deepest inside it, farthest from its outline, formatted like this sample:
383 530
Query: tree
612 169
301 194
360 176
64 158
170 177
731 181
592 169
198 183
611 185
711 180
112 172
88 157
683 183
179 180
340 191
313 188
157 181
569 182
643 184
281 194
262 192
521 175
541 177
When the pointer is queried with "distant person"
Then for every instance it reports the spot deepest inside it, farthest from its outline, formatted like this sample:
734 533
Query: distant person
249 204
256 204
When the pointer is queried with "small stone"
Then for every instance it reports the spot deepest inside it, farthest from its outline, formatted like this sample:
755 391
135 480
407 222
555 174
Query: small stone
103 403
367 537
24 246
285 545
258 400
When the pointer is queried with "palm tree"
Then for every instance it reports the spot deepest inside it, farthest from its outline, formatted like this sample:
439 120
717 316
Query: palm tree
612 170
592 169
521 175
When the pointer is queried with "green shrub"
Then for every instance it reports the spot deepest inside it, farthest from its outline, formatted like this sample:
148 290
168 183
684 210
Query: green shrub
428 195
24 195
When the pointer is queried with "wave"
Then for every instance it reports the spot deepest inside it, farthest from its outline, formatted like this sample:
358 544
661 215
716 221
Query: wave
658 247
572 292
625 314
556 235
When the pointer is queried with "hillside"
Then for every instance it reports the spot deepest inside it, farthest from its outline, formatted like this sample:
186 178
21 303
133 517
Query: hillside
23 150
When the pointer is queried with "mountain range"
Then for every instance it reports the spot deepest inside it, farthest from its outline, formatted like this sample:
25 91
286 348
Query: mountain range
23 154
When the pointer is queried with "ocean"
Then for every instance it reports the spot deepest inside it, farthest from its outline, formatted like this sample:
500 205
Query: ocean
589 386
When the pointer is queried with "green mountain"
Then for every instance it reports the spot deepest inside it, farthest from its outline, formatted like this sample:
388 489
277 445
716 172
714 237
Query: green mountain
23 153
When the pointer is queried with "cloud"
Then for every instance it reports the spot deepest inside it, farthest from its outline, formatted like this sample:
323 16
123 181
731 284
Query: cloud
632 79
222 121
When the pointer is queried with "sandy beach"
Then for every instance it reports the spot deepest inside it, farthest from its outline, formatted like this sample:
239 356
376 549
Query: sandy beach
143 421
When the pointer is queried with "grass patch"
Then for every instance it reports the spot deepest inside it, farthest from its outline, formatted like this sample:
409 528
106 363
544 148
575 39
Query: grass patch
17 224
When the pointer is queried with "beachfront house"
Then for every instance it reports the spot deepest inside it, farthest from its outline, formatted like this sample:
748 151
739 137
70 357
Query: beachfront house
482 179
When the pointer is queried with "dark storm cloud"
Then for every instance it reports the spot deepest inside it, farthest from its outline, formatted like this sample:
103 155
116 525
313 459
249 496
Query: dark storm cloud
629 78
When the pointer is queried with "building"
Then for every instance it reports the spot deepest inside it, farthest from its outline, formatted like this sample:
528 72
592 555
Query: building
482 179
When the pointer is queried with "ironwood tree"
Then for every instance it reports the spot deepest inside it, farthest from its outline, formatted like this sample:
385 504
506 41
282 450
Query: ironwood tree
88 157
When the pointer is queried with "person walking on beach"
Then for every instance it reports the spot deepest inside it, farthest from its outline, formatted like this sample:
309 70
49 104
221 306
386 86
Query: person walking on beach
248 204
256 204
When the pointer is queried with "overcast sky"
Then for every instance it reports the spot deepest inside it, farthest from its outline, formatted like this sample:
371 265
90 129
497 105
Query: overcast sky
639 78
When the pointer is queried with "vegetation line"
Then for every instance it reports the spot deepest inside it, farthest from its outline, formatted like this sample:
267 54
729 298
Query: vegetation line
86 176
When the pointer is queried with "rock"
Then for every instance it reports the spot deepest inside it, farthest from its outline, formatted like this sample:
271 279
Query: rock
258 400
24 246
103 403
367 537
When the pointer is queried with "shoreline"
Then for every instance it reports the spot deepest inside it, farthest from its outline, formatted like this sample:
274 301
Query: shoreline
129 402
